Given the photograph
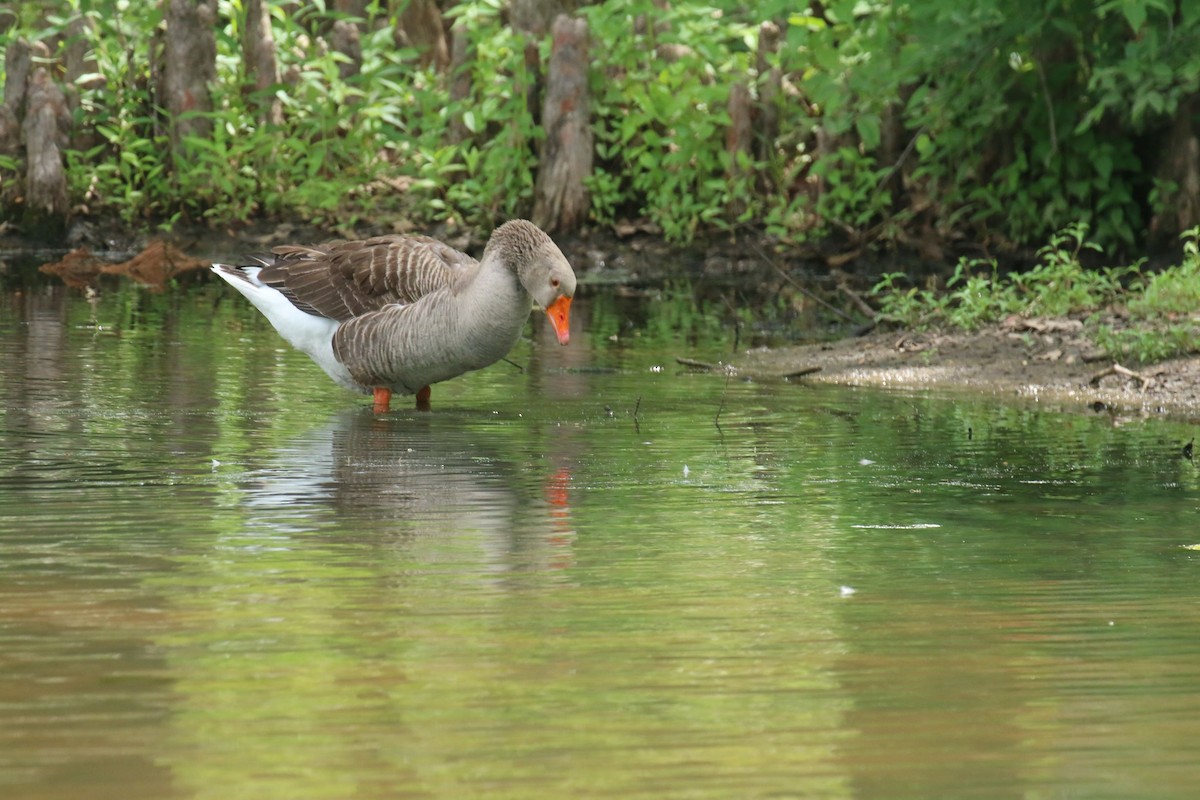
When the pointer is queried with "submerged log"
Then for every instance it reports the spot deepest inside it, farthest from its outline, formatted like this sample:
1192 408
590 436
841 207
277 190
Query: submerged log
77 269
154 267
190 65
158 264
560 196
46 125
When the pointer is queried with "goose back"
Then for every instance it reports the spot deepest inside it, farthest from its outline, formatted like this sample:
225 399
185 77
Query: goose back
342 280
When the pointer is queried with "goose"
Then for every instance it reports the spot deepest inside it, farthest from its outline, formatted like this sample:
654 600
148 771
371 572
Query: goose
397 314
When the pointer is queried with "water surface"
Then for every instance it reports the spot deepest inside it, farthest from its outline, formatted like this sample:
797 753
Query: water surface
596 576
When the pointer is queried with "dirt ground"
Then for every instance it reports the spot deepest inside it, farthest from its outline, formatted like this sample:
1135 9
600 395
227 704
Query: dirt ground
1046 361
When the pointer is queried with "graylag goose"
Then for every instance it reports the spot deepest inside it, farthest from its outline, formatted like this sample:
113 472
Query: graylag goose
397 314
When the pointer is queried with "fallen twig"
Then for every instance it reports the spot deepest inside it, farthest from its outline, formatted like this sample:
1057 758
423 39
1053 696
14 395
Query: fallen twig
1116 369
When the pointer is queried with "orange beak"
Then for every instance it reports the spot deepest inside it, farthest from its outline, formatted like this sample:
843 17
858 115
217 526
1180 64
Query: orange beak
559 313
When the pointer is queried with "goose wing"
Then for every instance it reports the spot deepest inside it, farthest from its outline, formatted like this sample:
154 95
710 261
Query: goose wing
345 279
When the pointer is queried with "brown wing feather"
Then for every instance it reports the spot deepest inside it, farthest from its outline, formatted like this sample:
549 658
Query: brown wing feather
345 279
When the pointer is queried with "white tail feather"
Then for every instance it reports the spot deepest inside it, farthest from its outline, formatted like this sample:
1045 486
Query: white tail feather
306 332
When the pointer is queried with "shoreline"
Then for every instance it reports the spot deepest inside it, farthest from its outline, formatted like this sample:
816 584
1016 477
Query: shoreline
1061 368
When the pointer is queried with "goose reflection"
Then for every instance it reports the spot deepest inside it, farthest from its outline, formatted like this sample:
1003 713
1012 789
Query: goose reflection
438 483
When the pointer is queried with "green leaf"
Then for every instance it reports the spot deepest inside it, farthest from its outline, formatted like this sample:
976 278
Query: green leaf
1135 14
868 130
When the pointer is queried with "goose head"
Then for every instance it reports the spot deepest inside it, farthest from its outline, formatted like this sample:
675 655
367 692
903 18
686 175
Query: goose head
540 266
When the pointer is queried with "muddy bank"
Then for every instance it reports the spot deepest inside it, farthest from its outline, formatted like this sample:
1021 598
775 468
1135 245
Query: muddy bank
1050 362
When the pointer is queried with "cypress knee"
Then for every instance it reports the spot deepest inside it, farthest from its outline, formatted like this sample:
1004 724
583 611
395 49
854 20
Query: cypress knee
560 196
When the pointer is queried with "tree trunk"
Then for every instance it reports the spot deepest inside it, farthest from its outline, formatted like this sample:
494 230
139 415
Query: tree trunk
345 39
461 58
79 62
262 69
1180 165
352 8
535 16
47 122
420 26
739 138
560 195
18 60
190 55
770 82
18 63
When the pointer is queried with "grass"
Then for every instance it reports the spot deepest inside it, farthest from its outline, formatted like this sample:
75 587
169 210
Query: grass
1160 311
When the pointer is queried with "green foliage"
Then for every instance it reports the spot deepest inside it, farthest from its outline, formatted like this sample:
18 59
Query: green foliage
1164 312
1163 307
977 295
661 112
998 122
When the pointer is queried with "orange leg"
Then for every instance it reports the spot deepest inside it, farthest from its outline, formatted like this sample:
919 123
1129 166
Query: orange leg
383 397
423 399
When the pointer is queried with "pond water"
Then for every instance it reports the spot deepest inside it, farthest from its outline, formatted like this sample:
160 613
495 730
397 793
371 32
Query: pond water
597 576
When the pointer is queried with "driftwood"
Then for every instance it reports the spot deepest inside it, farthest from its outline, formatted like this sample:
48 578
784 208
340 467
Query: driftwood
692 363
560 196
800 373
189 66
1144 381
729 369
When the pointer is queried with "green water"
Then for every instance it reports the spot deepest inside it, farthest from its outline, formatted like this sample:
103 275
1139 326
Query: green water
223 577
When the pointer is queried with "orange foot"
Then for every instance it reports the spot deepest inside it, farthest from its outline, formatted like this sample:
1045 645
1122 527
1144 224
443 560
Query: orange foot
383 397
423 399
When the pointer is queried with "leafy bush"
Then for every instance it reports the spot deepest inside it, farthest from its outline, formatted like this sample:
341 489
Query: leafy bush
998 122
977 294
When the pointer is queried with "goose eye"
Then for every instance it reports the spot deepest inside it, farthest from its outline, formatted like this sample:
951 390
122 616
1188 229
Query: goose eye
554 282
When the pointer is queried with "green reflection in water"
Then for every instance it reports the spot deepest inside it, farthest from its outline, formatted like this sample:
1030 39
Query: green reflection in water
221 576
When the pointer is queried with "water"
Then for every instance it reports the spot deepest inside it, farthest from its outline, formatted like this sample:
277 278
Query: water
221 576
